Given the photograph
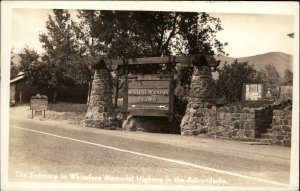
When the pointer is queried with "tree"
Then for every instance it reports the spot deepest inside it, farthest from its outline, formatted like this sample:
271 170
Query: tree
270 75
65 52
231 78
28 56
288 77
126 34
14 70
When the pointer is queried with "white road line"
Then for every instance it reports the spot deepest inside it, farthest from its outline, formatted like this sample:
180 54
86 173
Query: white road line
160 158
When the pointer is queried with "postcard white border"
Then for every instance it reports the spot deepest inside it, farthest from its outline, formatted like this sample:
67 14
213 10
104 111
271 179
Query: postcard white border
291 8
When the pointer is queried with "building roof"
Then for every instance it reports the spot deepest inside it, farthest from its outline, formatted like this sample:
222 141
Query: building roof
18 78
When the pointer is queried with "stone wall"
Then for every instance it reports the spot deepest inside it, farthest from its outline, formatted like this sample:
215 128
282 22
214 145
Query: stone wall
281 127
227 122
100 112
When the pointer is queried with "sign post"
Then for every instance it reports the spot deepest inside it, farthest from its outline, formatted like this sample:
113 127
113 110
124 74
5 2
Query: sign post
39 104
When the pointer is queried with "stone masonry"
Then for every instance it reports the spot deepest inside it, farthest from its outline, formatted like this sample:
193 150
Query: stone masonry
281 127
100 112
200 102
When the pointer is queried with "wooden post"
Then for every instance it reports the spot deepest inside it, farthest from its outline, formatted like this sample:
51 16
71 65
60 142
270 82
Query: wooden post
54 96
171 98
88 96
279 92
20 96
117 91
125 97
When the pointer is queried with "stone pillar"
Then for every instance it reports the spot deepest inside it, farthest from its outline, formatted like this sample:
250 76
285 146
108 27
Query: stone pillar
100 113
200 102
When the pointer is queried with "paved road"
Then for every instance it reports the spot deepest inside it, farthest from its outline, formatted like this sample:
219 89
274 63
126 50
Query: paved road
56 152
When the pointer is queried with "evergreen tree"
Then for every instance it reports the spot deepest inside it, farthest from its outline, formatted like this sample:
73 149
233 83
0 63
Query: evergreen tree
231 78
28 57
14 69
65 52
288 77
270 75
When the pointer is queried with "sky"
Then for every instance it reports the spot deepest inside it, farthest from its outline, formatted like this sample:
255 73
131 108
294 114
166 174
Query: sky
246 34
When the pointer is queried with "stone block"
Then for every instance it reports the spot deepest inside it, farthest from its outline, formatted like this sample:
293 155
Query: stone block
277 113
228 116
204 129
226 109
234 132
194 106
279 137
250 116
278 142
286 143
207 105
188 126
199 114
276 128
243 116
245 110
221 109
236 115
286 128
237 109
185 118
212 119
237 124
221 115
241 133
101 108
249 126
286 112
250 133
214 109
276 120
288 117
285 122
199 120
192 112
277 133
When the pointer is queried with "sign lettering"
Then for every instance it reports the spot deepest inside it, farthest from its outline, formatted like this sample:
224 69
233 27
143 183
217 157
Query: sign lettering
150 95
148 92
38 104
148 99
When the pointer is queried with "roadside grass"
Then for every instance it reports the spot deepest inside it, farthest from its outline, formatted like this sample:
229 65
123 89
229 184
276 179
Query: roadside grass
69 113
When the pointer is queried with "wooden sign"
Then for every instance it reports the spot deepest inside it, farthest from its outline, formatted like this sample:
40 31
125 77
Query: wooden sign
150 95
253 91
38 104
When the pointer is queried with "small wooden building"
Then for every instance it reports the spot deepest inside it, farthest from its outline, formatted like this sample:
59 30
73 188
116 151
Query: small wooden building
21 92
16 88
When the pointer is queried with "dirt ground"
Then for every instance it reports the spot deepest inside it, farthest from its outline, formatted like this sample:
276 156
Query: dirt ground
65 112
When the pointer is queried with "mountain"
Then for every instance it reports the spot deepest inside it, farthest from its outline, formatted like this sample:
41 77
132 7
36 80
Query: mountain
281 61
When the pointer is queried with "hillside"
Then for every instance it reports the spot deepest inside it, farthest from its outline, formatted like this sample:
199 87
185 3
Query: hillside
280 60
